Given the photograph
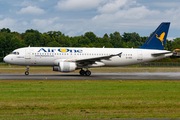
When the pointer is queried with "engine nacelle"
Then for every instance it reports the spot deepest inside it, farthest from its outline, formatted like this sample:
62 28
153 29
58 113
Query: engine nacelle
65 67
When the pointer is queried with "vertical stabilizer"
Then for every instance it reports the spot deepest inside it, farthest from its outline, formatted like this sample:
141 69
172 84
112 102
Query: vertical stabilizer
158 39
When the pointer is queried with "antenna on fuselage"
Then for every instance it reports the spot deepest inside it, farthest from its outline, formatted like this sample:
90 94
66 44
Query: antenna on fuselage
29 46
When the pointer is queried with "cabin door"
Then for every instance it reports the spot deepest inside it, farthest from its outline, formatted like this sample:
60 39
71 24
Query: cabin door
139 55
27 57
27 54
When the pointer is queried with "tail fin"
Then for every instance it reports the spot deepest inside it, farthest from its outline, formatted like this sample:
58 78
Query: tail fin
158 39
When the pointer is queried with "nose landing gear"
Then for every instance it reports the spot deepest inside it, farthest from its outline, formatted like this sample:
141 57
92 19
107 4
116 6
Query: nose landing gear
83 72
27 70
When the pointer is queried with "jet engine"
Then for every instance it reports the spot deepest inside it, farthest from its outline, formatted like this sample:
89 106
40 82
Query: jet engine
65 67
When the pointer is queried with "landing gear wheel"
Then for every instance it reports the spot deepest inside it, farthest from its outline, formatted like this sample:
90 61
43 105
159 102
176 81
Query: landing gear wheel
88 73
27 70
82 72
26 73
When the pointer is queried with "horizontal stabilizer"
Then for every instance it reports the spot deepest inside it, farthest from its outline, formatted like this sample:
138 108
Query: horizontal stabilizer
161 53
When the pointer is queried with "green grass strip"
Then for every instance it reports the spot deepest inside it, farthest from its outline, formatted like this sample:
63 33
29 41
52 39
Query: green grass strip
86 99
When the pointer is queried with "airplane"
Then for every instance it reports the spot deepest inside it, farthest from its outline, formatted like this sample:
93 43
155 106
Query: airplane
69 59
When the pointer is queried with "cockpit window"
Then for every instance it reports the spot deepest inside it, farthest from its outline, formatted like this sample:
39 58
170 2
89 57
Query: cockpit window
15 53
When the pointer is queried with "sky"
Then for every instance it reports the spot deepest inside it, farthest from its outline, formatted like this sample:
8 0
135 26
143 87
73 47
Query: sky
75 17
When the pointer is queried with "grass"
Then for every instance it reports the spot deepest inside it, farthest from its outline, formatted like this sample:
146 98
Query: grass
84 99
93 70
7 68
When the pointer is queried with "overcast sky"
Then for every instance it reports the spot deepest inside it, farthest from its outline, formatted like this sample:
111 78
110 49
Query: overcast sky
75 17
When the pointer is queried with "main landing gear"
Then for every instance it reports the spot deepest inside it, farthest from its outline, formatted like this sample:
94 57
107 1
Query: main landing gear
27 71
83 72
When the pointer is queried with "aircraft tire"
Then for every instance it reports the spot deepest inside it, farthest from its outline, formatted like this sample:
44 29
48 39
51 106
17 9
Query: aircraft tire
88 73
26 73
82 72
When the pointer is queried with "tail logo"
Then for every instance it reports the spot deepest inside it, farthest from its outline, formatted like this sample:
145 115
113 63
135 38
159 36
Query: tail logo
161 37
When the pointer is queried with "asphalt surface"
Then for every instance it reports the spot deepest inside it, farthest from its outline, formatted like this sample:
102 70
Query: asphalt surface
94 76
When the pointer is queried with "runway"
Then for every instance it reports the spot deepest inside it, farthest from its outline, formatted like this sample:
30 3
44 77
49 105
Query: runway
94 76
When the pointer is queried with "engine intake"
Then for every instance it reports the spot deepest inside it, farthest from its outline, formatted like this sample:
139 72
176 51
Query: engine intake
65 67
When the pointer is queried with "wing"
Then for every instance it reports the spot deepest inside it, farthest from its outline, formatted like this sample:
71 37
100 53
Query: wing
90 61
93 60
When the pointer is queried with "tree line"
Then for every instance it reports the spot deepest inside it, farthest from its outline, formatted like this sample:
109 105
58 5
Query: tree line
13 40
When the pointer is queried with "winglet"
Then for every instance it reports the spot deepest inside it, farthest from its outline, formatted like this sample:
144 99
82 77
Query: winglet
158 39
119 54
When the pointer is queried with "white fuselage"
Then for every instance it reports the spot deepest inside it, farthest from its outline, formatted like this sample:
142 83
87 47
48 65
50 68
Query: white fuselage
47 56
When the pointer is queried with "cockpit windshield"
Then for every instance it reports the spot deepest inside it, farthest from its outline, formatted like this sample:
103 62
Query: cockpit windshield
15 53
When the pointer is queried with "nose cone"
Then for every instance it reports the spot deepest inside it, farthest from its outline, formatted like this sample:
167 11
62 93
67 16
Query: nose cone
7 59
